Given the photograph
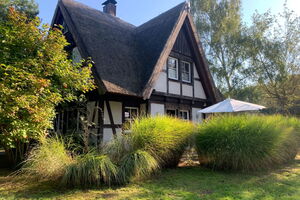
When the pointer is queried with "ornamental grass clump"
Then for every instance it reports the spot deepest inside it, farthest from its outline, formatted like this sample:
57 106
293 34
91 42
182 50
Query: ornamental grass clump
163 137
247 142
133 164
90 170
48 160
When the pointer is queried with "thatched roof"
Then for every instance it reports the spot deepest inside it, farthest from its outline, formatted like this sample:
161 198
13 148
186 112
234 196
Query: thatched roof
125 56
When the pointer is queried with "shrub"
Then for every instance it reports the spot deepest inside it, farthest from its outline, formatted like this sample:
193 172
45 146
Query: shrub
132 163
90 170
247 142
48 160
138 165
164 137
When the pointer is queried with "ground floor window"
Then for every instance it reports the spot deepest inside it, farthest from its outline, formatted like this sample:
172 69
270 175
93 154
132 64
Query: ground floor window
171 113
130 113
184 114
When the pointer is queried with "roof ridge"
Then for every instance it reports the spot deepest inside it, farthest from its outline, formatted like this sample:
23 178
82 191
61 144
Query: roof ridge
183 4
96 10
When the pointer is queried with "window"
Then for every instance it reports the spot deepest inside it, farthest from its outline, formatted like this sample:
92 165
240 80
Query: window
65 28
171 113
173 68
76 57
184 114
130 113
186 72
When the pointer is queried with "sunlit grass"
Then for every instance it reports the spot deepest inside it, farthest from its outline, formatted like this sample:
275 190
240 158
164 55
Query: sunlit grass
182 183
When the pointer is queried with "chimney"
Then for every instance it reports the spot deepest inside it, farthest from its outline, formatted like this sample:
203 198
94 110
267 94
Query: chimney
110 7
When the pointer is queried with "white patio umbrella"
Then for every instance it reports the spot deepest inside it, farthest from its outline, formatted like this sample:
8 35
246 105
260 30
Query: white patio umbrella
232 105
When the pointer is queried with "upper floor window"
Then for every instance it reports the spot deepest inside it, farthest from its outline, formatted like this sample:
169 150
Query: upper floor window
173 68
65 28
76 57
186 72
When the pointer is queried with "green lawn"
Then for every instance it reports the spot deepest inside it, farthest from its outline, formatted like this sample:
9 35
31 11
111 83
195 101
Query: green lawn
182 183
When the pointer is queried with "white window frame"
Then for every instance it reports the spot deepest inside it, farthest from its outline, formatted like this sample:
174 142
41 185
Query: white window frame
177 69
130 108
190 72
185 111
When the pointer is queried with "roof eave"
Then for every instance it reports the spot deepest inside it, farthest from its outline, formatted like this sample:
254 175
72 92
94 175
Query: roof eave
164 55
78 40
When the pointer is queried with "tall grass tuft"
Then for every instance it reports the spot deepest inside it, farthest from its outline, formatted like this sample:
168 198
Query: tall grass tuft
137 165
164 137
48 160
90 170
247 142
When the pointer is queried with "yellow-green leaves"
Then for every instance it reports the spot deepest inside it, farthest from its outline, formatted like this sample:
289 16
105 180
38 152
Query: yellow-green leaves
35 76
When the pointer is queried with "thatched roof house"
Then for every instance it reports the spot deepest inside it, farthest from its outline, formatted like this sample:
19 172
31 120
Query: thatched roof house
156 68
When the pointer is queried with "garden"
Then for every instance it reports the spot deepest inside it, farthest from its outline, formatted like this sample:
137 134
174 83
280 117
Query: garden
240 157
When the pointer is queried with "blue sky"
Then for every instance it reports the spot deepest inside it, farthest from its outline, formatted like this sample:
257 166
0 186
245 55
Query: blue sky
139 11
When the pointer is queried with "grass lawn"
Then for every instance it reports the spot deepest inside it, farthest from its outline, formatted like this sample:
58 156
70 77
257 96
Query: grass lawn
182 183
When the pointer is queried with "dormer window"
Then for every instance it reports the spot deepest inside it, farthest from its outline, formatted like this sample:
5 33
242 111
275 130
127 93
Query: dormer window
75 56
65 28
186 72
173 68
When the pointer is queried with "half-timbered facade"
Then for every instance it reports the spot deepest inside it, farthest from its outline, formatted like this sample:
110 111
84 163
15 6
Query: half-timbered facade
154 69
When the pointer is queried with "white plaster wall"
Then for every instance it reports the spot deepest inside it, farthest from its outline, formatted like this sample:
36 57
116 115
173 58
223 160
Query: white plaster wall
174 87
199 91
161 83
197 117
187 90
157 109
116 109
108 134
90 110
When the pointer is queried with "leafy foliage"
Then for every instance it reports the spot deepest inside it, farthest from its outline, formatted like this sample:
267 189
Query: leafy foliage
27 7
275 50
248 142
224 38
35 76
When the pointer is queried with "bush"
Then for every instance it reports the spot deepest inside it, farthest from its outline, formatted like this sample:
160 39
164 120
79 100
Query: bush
154 143
132 163
48 160
164 137
90 170
247 142
137 165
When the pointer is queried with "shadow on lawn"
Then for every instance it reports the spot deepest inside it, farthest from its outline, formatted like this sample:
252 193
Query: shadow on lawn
182 183
199 183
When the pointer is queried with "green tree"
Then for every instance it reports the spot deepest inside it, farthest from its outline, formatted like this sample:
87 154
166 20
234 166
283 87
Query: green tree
27 7
35 76
223 37
275 57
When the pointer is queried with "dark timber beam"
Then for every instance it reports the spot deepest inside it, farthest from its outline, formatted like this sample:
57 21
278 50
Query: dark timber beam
111 118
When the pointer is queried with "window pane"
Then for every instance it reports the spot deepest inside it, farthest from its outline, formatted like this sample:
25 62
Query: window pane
186 71
171 113
130 113
184 115
173 68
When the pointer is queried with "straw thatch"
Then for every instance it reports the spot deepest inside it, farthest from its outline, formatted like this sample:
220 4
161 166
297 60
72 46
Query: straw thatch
125 56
